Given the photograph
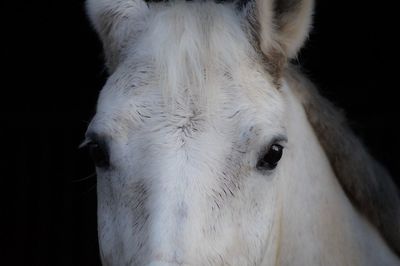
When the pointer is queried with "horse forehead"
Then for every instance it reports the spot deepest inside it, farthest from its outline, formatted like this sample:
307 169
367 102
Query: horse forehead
123 108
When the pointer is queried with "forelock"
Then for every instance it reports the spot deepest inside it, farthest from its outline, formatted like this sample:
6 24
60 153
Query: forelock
192 45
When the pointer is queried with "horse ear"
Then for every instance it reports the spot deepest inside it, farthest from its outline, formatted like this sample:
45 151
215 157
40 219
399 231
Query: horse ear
116 22
283 24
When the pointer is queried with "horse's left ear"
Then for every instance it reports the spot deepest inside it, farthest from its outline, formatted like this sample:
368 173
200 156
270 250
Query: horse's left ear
283 25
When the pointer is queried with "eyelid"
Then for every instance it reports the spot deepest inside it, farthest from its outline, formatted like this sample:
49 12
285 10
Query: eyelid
280 139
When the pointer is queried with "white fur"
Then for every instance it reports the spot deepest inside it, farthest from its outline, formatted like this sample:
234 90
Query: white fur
186 114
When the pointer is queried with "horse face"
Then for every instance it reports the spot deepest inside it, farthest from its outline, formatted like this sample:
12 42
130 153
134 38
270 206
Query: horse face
184 185
187 139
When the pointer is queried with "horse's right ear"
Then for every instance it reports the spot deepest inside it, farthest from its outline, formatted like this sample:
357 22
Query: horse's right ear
117 22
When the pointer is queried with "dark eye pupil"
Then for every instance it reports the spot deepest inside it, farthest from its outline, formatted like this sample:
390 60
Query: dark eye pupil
99 155
271 158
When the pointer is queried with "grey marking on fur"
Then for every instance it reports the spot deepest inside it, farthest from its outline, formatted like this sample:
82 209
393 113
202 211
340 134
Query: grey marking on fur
367 184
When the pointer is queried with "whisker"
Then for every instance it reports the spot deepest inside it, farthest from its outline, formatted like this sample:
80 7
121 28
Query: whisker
90 190
84 178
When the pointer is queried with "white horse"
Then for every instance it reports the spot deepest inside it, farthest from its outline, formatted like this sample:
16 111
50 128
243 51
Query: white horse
211 149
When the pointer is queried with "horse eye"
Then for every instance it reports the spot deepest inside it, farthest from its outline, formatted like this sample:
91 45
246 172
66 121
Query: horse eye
270 160
99 155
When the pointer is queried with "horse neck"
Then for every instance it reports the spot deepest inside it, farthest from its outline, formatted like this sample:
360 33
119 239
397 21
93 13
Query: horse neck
317 223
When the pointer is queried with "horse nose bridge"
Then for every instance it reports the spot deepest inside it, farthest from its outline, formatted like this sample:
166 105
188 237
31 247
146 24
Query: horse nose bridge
170 217
174 202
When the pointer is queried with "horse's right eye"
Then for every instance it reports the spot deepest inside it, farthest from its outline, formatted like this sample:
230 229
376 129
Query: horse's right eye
99 155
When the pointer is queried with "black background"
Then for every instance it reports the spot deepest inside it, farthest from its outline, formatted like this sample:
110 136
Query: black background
52 71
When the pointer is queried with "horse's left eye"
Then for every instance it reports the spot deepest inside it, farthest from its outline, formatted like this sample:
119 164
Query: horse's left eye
270 160
99 155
